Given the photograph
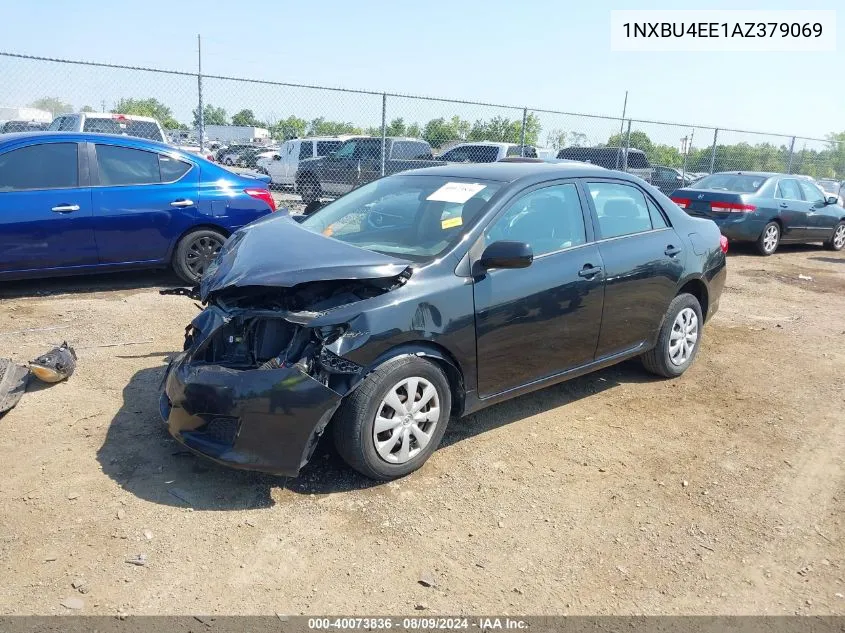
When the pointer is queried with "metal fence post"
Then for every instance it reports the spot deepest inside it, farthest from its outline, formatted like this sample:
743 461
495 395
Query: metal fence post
383 130
627 146
713 151
201 114
522 136
789 162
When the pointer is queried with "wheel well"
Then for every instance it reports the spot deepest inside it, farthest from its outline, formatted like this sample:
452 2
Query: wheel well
441 357
697 289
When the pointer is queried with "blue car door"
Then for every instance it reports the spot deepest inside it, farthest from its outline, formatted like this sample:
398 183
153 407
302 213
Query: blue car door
45 207
143 200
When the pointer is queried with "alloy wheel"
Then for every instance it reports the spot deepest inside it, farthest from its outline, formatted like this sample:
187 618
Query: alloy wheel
839 236
406 419
770 238
684 336
201 252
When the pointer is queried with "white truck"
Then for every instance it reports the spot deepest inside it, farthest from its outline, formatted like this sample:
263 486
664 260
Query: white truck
230 134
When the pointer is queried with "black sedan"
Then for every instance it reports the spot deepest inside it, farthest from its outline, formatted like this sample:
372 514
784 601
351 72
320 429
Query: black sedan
424 296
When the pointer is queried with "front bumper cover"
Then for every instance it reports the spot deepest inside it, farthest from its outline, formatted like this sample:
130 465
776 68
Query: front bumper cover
257 419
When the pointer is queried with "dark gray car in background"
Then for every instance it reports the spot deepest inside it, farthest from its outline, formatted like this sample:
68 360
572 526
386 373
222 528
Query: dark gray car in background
765 208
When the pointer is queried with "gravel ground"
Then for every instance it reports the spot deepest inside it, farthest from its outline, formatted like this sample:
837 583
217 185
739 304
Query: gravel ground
718 493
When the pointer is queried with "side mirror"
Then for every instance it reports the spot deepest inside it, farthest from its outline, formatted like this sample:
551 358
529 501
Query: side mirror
298 218
506 254
831 200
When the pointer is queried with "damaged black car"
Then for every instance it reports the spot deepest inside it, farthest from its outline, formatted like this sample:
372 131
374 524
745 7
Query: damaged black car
425 296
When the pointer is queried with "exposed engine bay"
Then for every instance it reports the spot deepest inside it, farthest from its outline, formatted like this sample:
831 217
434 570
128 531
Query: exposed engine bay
269 328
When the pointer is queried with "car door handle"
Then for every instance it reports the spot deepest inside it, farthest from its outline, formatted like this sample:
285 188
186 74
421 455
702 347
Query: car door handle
589 271
182 203
783 205
65 208
671 251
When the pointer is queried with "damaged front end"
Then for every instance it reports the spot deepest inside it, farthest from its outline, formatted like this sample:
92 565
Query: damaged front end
262 372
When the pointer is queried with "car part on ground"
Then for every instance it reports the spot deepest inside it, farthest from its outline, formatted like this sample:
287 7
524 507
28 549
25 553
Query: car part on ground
13 379
429 294
56 365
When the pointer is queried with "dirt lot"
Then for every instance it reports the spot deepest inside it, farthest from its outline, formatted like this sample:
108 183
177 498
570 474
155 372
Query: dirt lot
721 492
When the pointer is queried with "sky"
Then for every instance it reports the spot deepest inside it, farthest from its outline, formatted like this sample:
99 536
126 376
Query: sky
547 54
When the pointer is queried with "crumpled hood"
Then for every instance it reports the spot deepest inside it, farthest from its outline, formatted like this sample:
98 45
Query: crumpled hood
276 252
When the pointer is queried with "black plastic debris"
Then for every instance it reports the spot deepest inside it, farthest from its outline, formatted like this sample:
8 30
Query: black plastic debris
56 365
192 293
13 379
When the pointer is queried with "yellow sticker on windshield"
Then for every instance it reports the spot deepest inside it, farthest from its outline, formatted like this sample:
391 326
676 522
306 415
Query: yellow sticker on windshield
451 222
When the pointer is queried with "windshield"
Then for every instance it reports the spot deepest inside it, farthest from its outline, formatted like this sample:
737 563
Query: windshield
740 183
413 217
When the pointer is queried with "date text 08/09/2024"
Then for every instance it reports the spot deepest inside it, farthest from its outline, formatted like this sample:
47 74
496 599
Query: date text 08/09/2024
418 624
722 29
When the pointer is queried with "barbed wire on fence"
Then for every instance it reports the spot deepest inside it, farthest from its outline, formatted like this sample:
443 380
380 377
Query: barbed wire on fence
185 101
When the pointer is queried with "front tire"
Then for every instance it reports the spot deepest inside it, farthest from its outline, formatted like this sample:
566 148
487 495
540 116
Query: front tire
392 423
769 239
837 240
195 252
679 338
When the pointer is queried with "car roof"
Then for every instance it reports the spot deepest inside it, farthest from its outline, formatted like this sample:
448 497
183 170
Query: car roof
113 115
84 136
491 143
510 172
631 150
759 174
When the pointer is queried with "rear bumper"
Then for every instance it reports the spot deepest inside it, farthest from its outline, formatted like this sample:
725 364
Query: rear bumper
267 420
739 227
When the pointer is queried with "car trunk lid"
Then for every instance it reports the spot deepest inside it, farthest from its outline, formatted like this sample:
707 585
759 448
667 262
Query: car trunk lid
711 203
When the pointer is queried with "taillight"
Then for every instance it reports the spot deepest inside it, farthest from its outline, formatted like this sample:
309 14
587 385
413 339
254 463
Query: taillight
732 207
723 243
262 194
681 202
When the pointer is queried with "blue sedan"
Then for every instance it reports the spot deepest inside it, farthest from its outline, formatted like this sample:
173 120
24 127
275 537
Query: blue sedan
82 203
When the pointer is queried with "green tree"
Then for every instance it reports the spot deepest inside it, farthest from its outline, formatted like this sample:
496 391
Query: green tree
148 107
87 109
246 118
292 127
53 105
439 131
413 130
638 140
397 127
321 127
211 116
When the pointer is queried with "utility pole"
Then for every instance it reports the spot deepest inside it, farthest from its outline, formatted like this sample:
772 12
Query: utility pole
103 105
622 125
200 117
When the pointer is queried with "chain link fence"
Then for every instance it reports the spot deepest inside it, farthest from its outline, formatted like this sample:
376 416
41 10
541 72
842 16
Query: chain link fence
256 124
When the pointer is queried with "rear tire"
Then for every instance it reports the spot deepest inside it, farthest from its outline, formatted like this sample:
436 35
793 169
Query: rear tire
769 239
837 240
371 453
679 338
309 189
194 252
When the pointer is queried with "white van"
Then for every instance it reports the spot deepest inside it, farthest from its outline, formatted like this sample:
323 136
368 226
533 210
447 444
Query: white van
282 166
110 123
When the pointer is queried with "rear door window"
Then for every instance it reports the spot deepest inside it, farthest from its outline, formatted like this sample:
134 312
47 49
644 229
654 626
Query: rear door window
172 169
621 209
324 148
638 160
120 166
43 166
410 150
788 189
306 150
